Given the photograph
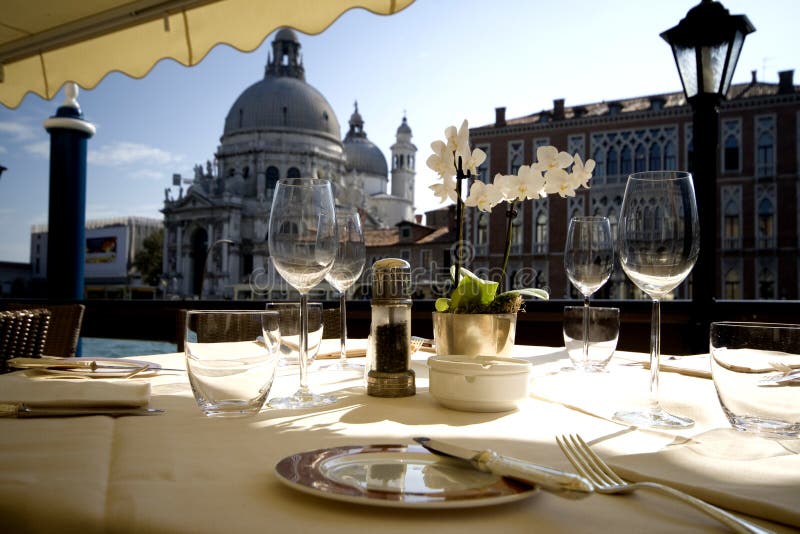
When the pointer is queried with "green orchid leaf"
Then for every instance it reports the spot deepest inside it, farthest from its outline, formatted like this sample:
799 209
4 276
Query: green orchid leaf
528 292
442 304
472 291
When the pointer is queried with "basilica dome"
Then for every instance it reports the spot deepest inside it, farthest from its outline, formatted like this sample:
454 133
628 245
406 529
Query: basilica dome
362 154
283 100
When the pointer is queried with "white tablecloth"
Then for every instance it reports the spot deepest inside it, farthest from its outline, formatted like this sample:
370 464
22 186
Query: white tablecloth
184 472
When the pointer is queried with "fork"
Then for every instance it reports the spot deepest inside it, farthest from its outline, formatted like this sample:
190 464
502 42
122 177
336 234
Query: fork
605 480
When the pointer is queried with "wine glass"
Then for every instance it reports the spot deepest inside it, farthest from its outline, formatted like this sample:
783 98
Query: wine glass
659 241
302 245
347 268
588 260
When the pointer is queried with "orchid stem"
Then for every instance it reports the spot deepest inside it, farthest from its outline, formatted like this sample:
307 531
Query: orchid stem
511 213
459 221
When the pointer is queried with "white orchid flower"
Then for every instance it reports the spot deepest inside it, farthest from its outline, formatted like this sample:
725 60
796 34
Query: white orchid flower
559 181
503 181
470 164
484 196
528 183
549 159
581 174
445 190
441 161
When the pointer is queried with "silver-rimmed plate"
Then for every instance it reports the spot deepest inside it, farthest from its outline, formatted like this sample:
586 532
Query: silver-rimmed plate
401 476
86 367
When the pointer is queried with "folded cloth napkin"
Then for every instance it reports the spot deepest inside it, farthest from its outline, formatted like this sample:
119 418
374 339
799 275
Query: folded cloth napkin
28 388
731 469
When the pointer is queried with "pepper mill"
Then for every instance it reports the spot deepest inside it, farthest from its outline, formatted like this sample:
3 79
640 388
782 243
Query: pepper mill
389 352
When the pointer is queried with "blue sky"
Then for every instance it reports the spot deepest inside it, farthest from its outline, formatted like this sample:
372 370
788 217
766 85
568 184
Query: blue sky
439 60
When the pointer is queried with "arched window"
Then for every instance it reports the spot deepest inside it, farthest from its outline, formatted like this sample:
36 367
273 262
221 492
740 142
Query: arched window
731 155
766 224
272 177
765 155
625 163
541 233
639 161
294 172
600 162
731 230
613 221
670 156
612 162
766 284
733 285
655 157
483 233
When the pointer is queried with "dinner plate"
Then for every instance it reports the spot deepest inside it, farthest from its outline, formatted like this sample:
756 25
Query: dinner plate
401 476
82 367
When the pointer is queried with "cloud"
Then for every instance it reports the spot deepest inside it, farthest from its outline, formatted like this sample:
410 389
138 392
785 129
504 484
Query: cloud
41 149
152 175
19 131
127 153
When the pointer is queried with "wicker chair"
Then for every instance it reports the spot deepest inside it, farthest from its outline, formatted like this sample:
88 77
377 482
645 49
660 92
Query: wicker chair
22 334
64 329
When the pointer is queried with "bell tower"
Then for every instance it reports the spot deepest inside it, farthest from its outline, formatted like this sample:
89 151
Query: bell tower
403 161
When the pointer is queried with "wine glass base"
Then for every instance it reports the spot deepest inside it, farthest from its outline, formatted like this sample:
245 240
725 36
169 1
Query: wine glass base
302 399
656 418
338 365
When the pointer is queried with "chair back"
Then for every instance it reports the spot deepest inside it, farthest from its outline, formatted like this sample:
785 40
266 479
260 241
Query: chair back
22 334
64 329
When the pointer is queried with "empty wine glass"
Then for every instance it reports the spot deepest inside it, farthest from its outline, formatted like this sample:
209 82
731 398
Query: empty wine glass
347 268
302 245
588 260
659 241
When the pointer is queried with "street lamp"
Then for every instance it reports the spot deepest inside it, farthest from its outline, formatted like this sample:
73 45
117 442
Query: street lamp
205 262
706 45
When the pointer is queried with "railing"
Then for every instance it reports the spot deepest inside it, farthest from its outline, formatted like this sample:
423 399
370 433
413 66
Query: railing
539 325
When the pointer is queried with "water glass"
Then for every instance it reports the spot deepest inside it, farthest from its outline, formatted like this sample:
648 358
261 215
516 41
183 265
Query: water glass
752 365
231 357
289 319
603 335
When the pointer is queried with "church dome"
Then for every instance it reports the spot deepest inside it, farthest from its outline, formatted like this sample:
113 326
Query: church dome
362 154
283 100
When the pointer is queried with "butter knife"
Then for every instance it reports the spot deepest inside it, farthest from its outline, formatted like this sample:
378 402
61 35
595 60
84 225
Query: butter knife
23 411
559 482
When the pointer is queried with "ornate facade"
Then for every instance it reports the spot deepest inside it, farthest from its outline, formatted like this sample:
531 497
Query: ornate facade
279 127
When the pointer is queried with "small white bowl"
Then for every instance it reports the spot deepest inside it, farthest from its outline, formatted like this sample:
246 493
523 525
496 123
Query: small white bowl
478 383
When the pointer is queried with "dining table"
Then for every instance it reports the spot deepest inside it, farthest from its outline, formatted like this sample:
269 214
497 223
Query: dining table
182 471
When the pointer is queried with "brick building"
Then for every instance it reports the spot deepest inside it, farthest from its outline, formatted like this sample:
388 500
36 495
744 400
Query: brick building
758 187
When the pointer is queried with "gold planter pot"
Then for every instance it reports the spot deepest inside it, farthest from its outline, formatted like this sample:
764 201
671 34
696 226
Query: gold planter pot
474 334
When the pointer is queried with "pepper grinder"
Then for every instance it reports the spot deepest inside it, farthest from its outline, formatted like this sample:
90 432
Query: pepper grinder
389 352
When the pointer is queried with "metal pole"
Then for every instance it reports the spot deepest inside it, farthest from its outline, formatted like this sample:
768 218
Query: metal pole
66 239
705 163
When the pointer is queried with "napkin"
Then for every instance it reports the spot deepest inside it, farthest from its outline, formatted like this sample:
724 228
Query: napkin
27 388
734 470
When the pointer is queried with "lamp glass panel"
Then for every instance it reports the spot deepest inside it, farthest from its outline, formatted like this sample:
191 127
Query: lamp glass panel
687 68
736 49
713 64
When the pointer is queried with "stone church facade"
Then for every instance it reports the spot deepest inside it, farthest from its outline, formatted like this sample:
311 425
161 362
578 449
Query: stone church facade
279 127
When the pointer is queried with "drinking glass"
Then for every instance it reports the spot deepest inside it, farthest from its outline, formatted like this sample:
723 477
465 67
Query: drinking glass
603 335
302 245
347 268
659 241
588 260
756 371
231 356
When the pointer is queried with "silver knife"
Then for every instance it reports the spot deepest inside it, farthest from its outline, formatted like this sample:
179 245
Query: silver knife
552 480
22 411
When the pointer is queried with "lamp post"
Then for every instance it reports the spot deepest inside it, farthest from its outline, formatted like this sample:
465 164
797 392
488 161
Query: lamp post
205 262
706 45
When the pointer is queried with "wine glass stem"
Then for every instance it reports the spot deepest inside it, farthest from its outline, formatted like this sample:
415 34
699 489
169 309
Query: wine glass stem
343 326
655 354
303 342
585 331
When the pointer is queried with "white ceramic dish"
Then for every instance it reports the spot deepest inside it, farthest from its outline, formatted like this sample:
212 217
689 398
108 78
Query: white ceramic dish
397 476
478 383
